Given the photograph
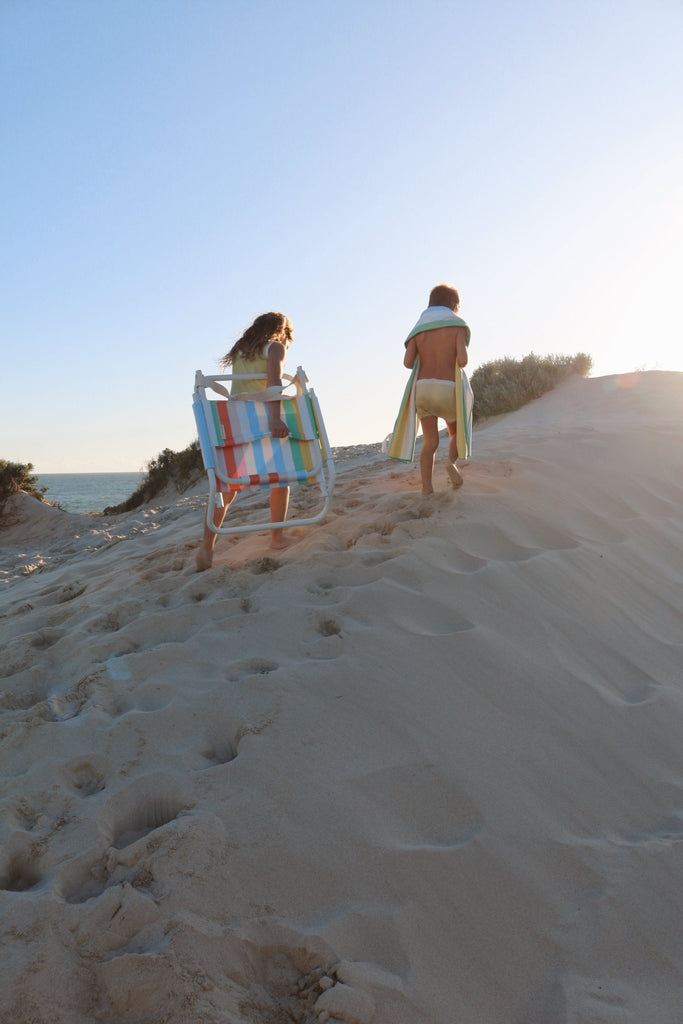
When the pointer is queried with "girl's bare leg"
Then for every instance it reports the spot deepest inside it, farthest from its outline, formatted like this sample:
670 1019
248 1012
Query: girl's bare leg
279 501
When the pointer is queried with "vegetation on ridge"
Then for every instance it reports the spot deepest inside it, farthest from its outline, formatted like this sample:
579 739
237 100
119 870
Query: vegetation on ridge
181 469
504 385
15 477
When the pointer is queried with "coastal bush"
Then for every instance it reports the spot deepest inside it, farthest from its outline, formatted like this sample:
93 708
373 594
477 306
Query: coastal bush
181 469
504 385
15 477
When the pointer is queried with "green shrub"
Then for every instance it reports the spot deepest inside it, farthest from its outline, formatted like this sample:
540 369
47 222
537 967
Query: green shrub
179 468
507 384
15 477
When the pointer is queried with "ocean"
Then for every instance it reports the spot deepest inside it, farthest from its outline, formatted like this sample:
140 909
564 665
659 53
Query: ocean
88 492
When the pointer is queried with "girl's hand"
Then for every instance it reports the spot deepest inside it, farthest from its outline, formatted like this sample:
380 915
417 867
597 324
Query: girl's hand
278 428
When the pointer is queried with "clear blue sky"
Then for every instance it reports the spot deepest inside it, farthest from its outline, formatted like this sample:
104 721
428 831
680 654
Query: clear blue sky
172 168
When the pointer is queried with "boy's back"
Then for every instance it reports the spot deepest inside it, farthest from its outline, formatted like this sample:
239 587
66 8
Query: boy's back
438 350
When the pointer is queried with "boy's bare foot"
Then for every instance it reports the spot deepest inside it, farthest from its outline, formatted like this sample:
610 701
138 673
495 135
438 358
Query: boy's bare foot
454 476
426 493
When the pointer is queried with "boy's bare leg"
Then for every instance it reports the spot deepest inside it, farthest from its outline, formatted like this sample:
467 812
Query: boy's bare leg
430 442
279 501
451 468
204 556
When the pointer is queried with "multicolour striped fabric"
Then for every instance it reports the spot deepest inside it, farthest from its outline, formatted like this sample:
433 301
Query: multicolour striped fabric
402 446
463 426
438 316
247 455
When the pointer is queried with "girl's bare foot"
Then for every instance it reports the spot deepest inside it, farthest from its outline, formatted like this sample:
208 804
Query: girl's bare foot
204 559
279 543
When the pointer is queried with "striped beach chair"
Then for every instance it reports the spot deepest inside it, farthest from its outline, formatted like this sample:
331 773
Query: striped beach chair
240 454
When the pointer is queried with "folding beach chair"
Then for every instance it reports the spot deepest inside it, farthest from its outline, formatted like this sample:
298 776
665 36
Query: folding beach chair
240 454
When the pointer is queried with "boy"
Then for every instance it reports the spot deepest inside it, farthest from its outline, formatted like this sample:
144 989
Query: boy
439 340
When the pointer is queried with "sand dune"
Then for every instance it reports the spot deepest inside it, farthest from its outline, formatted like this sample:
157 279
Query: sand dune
424 767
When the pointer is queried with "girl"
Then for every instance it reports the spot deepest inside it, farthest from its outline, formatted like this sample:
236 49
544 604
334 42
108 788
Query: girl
261 349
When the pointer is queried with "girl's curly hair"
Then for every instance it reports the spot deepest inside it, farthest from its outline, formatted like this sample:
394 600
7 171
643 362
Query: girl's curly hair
266 327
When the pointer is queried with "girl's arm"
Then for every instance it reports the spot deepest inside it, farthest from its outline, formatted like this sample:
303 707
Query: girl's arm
274 369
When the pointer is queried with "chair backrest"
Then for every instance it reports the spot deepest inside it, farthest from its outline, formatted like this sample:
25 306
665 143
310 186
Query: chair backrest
237 444
240 452
247 455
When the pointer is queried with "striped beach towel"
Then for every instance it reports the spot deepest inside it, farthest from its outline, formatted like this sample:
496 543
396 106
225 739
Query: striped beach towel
463 427
402 445
247 455
438 316
404 436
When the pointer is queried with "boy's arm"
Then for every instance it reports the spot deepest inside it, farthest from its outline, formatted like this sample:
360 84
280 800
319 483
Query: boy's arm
461 347
411 354
274 368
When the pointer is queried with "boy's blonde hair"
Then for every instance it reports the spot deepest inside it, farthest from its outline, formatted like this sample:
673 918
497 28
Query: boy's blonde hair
266 327
445 295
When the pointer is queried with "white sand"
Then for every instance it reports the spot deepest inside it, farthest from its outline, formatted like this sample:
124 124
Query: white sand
424 767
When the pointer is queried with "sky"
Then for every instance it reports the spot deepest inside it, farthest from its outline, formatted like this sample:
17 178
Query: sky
172 168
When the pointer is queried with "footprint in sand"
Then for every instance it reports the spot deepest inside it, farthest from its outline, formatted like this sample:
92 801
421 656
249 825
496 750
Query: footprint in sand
86 775
26 690
84 878
43 639
122 912
378 558
266 564
322 589
326 625
220 753
20 869
328 644
21 609
109 623
220 746
250 667
93 875
175 563
489 542
20 873
415 808
408 608
71 591
17 656
146 805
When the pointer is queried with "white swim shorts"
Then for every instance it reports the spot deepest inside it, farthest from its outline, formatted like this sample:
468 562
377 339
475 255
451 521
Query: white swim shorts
436 398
